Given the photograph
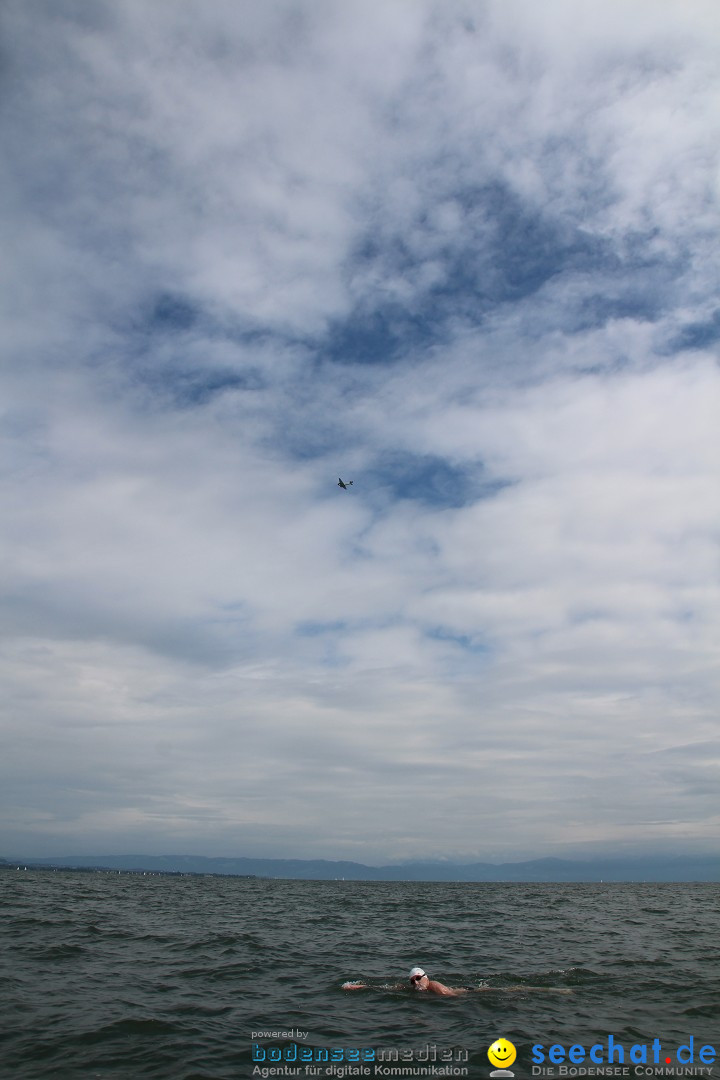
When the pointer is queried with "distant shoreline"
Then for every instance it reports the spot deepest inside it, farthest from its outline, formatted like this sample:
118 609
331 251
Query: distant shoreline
49 868
538 871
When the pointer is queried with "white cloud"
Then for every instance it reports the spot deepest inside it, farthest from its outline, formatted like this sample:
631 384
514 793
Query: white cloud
496 641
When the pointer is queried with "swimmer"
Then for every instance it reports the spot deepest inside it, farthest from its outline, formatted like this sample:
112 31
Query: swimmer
418 981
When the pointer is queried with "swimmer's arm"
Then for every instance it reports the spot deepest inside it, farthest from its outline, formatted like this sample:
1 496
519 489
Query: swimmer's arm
354 986
444 991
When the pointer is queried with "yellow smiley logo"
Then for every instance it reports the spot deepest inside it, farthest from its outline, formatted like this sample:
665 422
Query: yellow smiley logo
502 1053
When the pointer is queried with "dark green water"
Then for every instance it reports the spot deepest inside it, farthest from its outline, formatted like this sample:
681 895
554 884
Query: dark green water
106 975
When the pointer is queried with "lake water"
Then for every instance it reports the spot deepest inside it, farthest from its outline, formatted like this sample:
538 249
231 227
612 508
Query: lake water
119 975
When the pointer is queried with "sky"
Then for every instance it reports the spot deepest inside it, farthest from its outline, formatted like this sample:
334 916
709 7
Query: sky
463 254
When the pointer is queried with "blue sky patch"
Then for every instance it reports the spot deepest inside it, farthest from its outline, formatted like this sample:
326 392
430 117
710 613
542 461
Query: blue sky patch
502 251
430 479
699 335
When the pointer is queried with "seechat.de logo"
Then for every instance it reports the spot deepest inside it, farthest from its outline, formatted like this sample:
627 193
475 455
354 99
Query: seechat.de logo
501 1054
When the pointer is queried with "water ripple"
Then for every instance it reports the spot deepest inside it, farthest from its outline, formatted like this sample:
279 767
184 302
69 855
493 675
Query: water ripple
115 976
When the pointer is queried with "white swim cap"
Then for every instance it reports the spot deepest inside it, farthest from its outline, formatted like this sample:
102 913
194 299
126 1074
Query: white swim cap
415 971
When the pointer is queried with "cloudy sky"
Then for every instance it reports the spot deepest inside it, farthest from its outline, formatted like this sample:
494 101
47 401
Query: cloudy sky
462 253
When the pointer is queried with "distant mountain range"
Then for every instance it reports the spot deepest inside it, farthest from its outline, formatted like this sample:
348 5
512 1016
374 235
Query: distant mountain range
642 868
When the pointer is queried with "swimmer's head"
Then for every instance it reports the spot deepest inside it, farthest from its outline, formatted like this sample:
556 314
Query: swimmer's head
416 974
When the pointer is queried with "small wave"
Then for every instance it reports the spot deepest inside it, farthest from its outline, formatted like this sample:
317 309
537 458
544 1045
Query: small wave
61 952
129 1027
711 1010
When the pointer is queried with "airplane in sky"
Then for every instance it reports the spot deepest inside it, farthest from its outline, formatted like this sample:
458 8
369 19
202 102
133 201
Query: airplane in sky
343 485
